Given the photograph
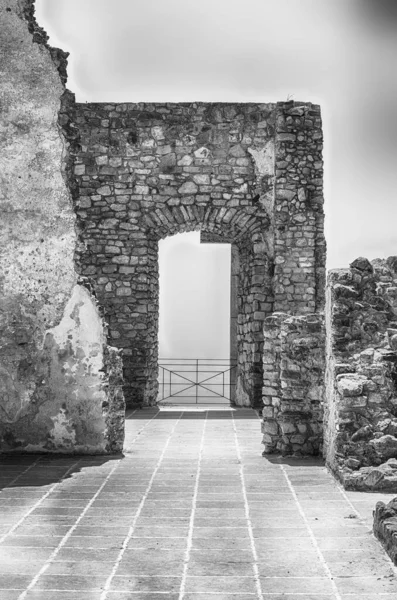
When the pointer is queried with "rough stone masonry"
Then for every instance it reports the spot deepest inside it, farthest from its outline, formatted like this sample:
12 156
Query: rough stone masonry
87 192
249 173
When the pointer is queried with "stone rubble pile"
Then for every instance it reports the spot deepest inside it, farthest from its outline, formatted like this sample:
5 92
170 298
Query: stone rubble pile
361 403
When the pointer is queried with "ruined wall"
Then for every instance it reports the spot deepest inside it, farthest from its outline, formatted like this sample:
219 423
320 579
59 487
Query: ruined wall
59 384
384 526
361 404
293 355
293 378
145 171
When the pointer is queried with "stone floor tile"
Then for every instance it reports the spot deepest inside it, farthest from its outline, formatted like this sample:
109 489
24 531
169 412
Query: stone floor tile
94 569
14 581
10 594
142 596
268 567
165 568
82 541
363 568
367 585
298 596
373 596
224 568
21 568
81 583
37 541
287 536
101 531
84 555
366 541
146 584
220 596
146 543
279 532
220 584
220 522
296 585
227 544
161 531
62 595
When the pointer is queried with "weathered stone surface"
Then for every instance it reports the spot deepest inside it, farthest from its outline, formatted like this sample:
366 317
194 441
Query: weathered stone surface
385 527
385 446
53 374
293 383
247 174
361 400
192 167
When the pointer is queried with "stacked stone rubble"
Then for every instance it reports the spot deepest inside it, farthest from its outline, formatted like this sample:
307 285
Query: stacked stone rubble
293 389
385 526
361 408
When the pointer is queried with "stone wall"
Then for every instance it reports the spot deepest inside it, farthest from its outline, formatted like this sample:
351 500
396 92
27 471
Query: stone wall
361 407
385 527
293 389
59 383
248 173
294 335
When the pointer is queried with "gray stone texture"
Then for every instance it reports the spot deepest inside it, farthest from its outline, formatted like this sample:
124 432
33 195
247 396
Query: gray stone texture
248 174
293 389
385 527
361 405
54 378
89 190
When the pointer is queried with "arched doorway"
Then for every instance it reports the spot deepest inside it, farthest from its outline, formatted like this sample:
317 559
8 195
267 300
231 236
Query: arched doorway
196 360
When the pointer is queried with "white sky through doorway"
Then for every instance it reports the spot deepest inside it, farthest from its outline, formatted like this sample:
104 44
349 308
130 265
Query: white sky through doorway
194 298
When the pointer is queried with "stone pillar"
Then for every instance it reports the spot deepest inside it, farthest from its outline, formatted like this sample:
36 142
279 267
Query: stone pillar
299 243
294 349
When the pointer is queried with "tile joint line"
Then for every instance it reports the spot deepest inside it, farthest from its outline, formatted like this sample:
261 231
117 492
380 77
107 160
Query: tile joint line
63 541
311 534
193 514
247 515
131 530
37 504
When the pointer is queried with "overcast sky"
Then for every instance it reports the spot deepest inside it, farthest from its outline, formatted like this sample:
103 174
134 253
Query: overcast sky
338 53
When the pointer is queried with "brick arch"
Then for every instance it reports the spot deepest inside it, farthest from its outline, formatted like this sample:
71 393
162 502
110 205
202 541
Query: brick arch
233 224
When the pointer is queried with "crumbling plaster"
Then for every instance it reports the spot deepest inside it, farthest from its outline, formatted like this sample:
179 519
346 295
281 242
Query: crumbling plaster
54 383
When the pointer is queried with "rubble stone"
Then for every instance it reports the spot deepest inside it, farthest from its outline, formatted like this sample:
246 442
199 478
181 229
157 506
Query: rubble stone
361 397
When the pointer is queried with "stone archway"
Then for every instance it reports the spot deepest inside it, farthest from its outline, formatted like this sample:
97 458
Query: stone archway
247 174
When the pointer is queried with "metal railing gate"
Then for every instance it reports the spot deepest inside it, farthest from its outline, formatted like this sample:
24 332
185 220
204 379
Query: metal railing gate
196 380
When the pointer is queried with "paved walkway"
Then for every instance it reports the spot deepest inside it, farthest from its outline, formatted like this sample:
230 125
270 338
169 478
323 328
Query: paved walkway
191 512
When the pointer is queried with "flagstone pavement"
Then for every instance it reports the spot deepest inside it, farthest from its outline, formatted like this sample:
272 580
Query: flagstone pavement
192 511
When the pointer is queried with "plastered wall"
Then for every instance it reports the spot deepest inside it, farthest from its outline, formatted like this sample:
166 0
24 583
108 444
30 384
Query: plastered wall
59 383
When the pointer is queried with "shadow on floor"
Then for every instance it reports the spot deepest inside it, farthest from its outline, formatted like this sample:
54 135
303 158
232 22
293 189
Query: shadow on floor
295 461
26 470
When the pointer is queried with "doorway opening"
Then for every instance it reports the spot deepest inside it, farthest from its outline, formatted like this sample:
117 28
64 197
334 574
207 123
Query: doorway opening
196 362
